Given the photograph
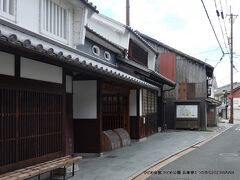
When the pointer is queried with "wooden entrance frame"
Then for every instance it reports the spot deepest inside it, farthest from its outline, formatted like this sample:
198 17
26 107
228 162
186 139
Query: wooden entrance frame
116 92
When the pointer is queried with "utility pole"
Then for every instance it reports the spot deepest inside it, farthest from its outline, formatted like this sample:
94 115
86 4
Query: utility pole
127 12
231 71
231 66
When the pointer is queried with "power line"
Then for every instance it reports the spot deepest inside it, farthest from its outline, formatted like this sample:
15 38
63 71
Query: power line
208 51
211 60
219 61
224 23
234 67
219 21
212 26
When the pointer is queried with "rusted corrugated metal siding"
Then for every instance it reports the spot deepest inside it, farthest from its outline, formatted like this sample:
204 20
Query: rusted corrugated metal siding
168 65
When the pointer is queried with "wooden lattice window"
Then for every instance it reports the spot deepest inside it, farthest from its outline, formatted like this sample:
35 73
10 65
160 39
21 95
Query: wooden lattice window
30 125
113 112
55 19
7 9
149 101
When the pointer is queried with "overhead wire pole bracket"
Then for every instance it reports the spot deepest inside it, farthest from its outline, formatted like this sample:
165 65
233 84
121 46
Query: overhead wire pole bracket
220 59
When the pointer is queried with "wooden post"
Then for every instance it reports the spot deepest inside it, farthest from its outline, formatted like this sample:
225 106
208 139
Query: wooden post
127 13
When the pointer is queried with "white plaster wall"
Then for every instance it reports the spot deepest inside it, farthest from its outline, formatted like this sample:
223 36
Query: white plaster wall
133 103
69 84
79 22
28 14
236 113
151 60
113 31
7 64
85 99
40 71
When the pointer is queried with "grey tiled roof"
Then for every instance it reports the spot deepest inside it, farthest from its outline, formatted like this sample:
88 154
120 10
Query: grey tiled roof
227 88
90 5
137 34
175 50
85 63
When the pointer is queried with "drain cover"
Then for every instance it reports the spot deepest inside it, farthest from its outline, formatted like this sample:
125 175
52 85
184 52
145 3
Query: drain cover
111 156
229 154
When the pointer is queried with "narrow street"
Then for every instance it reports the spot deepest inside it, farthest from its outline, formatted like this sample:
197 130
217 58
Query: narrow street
218 159
85 94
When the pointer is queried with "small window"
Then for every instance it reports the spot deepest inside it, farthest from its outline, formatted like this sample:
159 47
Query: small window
54 19
96 50
137 53
7 9
149 102
107 55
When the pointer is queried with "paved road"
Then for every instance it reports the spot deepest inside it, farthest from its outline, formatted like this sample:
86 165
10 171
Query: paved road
218 159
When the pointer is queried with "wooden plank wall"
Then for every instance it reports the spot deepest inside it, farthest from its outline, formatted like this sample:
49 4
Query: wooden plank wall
187 71
151 126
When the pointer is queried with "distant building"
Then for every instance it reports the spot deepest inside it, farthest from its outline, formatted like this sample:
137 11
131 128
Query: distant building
189 100
223 94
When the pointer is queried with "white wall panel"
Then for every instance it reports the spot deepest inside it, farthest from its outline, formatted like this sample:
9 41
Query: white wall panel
151 61
85 99
7 64
133 103
28 14
69 84
40 71
110 28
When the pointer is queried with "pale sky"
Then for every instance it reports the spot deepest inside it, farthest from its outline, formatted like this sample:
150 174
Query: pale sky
183 25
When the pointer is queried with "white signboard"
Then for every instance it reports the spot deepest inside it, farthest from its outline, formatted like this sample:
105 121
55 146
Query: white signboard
187 111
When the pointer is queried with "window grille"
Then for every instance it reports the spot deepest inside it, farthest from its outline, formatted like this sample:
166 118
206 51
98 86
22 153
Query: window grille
7 9
54 19
30 126
113 112
149 102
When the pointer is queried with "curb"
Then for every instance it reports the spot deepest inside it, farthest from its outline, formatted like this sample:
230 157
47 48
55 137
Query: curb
195 145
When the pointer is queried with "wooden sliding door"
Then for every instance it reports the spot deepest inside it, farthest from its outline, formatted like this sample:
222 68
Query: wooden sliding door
114 112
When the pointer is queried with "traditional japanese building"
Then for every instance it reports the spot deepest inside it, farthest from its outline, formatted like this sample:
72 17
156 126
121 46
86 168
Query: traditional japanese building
63 83
189 100
139 61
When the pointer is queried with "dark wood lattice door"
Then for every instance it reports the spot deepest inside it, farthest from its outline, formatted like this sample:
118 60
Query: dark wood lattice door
30 127
114 112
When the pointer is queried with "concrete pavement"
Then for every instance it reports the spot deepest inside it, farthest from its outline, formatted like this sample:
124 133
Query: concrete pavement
215 160
125 162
